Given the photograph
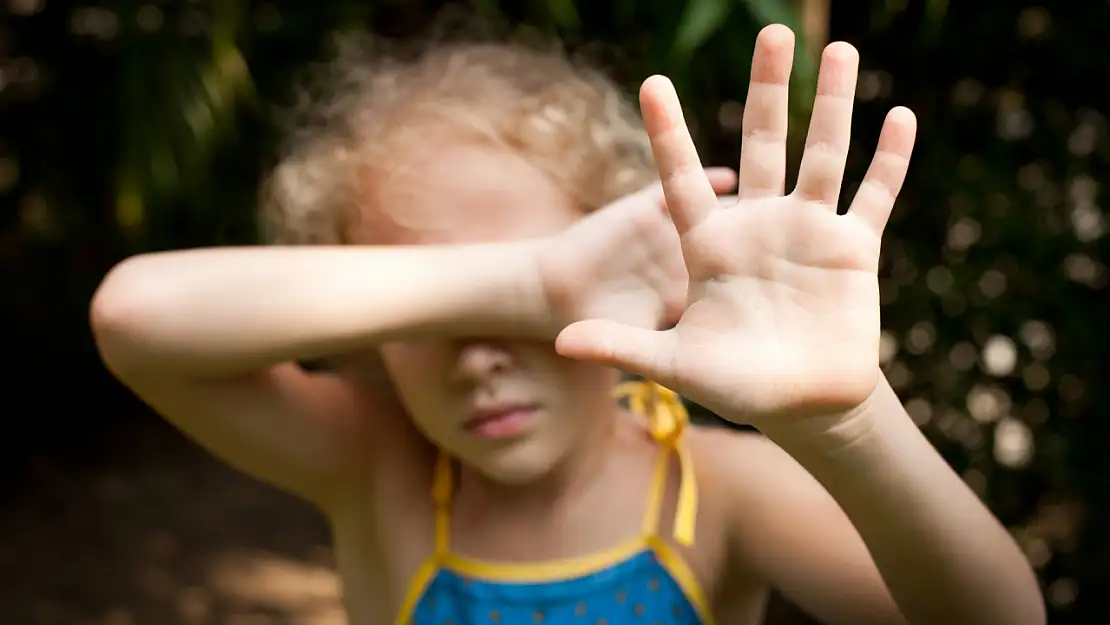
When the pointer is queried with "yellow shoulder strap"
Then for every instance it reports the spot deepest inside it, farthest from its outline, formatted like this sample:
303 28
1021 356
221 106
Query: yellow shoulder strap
667 419
442 490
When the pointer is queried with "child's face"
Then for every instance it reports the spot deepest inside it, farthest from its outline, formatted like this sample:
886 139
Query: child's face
464 193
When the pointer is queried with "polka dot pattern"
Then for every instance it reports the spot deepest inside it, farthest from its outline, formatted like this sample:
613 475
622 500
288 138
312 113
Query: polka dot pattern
638 591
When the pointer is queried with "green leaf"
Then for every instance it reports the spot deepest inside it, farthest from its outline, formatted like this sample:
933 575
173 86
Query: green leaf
772 12
935 10
564 14
487 7
699 21
803 78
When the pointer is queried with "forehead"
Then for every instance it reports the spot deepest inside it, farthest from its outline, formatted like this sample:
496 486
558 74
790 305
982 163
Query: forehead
467 193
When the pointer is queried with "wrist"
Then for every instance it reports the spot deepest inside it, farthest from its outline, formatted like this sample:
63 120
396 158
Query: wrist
833 433
506 293
533 314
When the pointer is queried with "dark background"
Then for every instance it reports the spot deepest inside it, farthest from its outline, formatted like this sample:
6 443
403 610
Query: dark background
128 126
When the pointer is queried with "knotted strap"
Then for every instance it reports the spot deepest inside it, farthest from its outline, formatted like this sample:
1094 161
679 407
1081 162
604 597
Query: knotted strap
667 420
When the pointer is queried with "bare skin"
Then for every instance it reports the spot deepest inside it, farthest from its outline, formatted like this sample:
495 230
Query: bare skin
843 506
598 515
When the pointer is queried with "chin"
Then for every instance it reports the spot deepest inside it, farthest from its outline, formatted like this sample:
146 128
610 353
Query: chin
520 465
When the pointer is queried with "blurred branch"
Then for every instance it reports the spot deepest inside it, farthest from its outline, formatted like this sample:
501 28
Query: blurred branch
179 103
815 24
700 20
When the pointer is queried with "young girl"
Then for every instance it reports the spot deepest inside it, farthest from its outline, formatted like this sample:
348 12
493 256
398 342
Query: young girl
466 223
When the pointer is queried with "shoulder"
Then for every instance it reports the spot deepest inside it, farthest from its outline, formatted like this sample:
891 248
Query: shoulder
740 457
762 489
390 457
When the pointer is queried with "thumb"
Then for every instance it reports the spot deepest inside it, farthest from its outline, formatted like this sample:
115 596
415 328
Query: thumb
646 353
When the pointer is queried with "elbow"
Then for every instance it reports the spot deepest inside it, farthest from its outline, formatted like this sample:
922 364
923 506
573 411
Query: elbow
1029 611
1034 610
1019 601
1040 616
1010 596
125 302
1023 604
1028 595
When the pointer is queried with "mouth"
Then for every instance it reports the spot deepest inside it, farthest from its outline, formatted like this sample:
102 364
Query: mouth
500 421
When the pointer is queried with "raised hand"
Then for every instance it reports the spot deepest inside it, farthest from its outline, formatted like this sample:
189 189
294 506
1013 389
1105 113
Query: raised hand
782 318
622 263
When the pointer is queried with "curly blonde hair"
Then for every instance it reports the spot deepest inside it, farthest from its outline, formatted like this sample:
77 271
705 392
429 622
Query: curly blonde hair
355 111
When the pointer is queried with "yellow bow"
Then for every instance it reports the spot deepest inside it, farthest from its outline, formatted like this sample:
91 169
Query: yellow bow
667 419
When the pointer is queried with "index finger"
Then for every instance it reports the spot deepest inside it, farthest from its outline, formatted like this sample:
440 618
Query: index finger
690 196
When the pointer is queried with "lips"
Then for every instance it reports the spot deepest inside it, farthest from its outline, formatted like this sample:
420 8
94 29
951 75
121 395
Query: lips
500 421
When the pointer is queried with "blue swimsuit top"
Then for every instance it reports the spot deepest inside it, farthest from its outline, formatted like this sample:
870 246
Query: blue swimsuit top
643 581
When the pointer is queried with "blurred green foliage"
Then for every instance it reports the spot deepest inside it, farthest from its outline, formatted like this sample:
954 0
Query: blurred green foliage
132 126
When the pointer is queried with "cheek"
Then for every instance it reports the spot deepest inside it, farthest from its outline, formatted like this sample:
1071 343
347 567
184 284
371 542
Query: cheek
411 365
592 379
577 388
418 373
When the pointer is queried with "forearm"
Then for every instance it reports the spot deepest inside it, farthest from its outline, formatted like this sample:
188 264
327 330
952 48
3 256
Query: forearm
942 554
224 311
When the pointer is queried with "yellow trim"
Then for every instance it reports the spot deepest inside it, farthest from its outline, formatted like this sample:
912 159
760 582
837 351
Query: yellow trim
667 418
417 587
548 571
560 570
442 489
676 566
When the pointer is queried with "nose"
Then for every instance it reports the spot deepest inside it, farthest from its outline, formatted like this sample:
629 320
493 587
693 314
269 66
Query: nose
480 359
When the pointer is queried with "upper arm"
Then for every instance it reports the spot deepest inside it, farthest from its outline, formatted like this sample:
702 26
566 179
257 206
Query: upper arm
787 530
299 431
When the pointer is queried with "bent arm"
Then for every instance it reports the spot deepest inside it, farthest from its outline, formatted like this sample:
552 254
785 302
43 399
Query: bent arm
208 337
221 312
941 553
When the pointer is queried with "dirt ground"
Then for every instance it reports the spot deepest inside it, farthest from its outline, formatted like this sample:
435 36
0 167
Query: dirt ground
163 534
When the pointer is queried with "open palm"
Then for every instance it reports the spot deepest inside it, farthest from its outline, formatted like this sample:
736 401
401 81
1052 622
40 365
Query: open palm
783 311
